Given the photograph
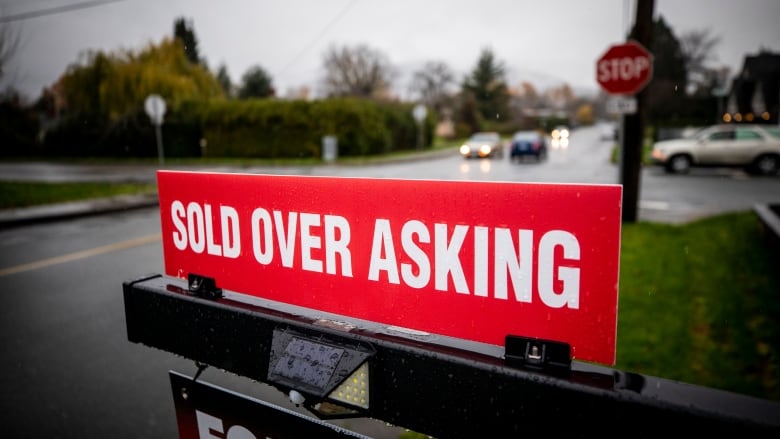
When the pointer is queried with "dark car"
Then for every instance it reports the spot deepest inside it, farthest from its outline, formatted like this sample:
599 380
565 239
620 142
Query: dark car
528 144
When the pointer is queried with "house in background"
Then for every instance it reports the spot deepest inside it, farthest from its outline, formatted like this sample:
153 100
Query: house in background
755 92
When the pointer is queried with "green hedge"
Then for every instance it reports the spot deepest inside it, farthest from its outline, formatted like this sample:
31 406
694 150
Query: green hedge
91 135
255 128
294 129
19 128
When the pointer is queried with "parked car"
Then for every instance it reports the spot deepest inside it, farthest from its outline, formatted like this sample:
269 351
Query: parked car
756 148
560 136
528 144
609 131
483 144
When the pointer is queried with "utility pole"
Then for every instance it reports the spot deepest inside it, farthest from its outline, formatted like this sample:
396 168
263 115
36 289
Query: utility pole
634 124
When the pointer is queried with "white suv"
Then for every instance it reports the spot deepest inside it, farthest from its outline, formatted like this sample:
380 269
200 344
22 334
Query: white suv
753 147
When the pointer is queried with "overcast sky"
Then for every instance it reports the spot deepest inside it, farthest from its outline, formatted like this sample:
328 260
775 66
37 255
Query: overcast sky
545 42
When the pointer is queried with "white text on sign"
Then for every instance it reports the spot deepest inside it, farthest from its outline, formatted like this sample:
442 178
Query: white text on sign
434 251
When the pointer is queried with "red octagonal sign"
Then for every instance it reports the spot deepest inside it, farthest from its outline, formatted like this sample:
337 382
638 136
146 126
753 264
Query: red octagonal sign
624 69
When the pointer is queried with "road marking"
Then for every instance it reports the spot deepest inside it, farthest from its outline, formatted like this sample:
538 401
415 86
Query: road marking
654 205
81 254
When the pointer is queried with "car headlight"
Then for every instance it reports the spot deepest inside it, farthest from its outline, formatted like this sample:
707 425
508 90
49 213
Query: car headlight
485 149
465 150
564 133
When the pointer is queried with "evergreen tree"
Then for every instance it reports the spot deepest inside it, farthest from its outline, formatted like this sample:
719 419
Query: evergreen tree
183 31
668 58
223 77
487 85
667 89
256 83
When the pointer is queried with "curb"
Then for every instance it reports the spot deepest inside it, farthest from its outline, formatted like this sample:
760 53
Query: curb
53 212
769 215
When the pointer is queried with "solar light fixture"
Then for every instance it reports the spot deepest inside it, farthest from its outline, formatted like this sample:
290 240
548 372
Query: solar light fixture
332 374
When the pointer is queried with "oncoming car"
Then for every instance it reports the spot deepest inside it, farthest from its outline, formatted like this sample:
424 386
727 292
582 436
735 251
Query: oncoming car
756 148
560 137
483 144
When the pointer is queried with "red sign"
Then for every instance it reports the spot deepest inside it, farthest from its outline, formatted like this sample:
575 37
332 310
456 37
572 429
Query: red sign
625 68
471 260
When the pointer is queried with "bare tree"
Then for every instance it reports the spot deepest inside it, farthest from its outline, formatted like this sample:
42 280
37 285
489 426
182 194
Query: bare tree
560 97
697 48
357 71
433 84
529 94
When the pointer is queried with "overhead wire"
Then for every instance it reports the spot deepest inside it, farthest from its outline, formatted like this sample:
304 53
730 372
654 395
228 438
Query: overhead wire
55 10
317 38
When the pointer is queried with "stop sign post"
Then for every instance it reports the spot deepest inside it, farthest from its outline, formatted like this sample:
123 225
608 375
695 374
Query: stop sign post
624 69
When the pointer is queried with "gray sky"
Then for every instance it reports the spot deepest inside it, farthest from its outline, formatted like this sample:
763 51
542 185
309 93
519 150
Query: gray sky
545 42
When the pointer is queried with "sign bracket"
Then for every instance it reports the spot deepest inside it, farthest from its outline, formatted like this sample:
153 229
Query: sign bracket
203 286
201 367
537 354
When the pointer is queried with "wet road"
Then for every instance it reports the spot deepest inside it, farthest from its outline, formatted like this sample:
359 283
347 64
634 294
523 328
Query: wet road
662 197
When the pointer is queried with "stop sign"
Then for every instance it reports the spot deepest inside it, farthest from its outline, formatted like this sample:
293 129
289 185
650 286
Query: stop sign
624 68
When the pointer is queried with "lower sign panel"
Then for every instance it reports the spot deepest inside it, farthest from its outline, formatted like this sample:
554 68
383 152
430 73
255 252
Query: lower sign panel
206 411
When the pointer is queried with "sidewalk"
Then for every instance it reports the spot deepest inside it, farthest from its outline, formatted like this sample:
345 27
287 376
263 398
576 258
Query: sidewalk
58 172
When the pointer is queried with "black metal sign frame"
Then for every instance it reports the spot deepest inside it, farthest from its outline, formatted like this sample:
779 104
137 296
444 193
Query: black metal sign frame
444 388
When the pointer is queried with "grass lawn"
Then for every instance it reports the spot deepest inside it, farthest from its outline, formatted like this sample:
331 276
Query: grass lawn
699 303
24 194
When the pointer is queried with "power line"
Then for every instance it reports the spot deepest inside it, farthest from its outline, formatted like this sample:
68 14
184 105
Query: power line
317 38
55 10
